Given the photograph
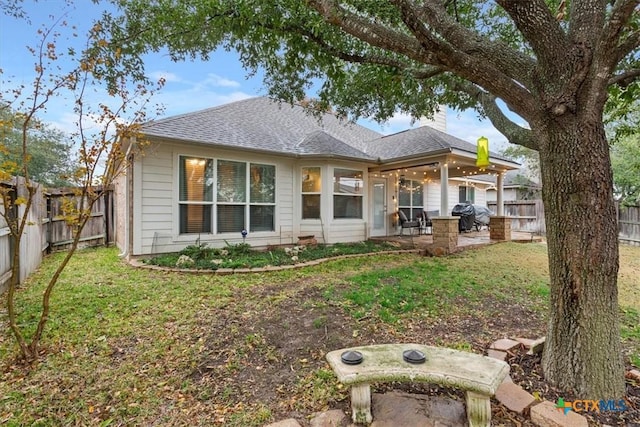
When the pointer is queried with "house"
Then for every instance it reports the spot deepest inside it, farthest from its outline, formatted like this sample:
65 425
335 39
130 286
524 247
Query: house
279 173
516 186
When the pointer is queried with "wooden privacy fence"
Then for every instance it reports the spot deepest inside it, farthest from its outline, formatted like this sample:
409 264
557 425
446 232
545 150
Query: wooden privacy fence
526 215
47 230
629 224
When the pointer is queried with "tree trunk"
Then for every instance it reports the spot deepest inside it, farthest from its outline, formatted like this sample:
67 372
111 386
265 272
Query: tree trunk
582 353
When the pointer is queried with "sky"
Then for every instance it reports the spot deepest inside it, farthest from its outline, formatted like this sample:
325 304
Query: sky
190 86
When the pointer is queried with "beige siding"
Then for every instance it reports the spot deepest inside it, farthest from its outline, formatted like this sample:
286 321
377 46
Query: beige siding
157 208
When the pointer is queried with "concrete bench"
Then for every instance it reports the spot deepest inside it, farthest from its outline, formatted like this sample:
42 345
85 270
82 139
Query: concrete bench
478 375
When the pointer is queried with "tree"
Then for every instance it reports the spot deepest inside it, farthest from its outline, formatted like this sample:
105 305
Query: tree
551 62
101 127
50 161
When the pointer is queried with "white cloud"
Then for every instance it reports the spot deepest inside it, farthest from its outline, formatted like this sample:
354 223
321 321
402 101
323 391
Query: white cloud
167 76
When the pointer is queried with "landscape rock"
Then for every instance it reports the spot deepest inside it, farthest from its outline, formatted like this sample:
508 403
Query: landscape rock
537 346
416 410
289 422
514 397
497 354
504 344
334 418
546 414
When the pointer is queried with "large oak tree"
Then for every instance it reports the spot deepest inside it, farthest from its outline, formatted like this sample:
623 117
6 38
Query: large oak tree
551 63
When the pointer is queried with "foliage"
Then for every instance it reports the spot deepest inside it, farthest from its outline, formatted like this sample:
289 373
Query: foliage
50 159
102 128
625 161
242 255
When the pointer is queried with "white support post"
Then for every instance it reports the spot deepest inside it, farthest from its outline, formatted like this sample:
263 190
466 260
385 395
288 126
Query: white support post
444 189
500 194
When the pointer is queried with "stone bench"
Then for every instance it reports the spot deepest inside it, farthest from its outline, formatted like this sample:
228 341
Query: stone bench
478 375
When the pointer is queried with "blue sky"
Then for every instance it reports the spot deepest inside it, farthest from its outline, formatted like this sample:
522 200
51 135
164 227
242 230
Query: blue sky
190 86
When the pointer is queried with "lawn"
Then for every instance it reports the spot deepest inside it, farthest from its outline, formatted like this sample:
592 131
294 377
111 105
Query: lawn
128 346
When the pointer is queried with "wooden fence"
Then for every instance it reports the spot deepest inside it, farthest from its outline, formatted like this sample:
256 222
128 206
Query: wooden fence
526 215
47 231
629 224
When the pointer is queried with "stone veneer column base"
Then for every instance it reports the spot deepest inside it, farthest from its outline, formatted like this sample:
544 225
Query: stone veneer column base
500 228
445 233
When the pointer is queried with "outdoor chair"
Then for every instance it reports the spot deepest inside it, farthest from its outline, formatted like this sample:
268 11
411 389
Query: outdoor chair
425 223
405 223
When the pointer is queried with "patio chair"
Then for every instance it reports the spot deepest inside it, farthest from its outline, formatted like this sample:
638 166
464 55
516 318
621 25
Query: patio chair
405 223
425 223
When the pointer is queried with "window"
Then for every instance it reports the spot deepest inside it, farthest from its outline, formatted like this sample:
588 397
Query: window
466 194
245 196
262 197
311 189
410 199
232 194
347 193
196 194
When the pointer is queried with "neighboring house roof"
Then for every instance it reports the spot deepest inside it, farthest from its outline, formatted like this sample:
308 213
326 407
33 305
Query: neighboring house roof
512 179
267 125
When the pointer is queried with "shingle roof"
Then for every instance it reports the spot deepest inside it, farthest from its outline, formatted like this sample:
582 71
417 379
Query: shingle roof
268 125
418 141
264 124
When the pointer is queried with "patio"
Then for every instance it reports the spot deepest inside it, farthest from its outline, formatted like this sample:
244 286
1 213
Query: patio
466 240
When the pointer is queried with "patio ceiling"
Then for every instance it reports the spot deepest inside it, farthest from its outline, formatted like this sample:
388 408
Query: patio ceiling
460 164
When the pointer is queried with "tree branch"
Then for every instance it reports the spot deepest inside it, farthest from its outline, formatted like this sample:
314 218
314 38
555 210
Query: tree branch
470 65
620 15
514 64
539 27
626 78
514 133
628 45
373 33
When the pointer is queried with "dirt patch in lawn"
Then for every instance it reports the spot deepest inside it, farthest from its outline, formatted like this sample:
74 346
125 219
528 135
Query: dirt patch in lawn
271 350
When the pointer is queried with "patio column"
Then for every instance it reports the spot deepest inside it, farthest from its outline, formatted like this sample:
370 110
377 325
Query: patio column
445 234
500 194
500 225
444 189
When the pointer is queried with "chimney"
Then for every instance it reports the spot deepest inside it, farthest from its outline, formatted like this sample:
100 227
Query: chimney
439 120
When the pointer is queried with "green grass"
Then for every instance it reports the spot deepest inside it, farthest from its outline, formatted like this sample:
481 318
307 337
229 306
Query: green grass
128 346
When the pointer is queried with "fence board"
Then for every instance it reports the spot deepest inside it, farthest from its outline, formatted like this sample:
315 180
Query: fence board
629 224
47 231
526 215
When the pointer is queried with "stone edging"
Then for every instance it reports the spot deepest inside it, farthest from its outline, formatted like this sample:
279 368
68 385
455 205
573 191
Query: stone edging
228 271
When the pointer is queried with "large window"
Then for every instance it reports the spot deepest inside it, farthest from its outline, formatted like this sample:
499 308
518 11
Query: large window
196 194
232 196
410 199
244 198
466 194
347 193
311 190
262 197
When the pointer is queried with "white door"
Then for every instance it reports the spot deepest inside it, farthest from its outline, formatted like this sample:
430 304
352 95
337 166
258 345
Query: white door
379 208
